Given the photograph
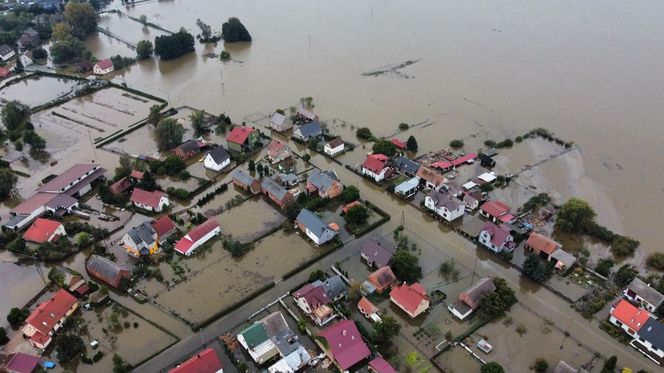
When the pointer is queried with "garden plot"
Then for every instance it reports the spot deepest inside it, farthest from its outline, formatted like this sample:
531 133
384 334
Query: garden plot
250 220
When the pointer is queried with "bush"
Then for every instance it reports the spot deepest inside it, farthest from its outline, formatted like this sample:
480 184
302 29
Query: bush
489 143
403 126
237 248
225 56
625 275
656 261
68 346
233 31
17 316
536 269
173 46
384 147
350 194
604 266
507 143
39 53
316 275
364 133
456 144
622 246
178 193
541 366
357 216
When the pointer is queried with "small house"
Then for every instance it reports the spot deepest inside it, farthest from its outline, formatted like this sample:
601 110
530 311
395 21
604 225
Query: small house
405 166
496 238
6 52
314 227
430 178
103 67
197 237
640 292
486 160
324 183
246 182
368 309
107 270
308 131
141 240
399 144
44 230
280 122
374 254
412 299
242 139
4 72
375 167
628 317
48 317
18 362
346 345
120 186
277 151
258 344
164 228
205 361
496 211
287 180
469 300
304 115
382 279
217 159
152 201
380 365
188 149
275 192
315 299
334 146
445 205
550 250
471 201
408 188
651 340
28 39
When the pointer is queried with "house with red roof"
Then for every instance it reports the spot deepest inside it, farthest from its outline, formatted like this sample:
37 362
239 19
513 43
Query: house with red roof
380 365
120 186
469 300
4 72
375 166
277 151
550 250
368 309
628 317
412 299
430 178
189 148
48 317
103 67
19 362
197 237
496 238
382 279
164 227
496 211
241 139
44 230
205 361
315 299
346 347
399 144
151 201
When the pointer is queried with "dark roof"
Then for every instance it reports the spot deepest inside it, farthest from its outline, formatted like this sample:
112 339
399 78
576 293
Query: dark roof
142 233
243 177
74 175
61 201
310 129
497 233
322 180
646 292
273 188
107 270
335 142
406 165
191 146
312 222
31 204
653 332
5 49
376 253
219 154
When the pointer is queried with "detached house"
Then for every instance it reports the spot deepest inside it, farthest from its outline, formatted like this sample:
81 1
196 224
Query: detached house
380 281
550 250
277 151
275 192
107 270
430 178
628 317
445 205
375 166
197 237
640 292
308 131
44 230
205 361
496 211
18 362
48 317
469 299
28 39
314 299
151 201
246 182
405 166
103 67
280 122
334 146
141 240
346 346
188 149
368 309
217 159
241 139
314 227
646 331
496 238
375 255
304 115
412 299
6 52
325 184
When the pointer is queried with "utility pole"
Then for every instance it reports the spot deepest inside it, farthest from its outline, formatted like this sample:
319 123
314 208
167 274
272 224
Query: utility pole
566 333
92 144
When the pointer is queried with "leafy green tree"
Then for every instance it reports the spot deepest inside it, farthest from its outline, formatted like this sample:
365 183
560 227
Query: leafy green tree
411 144
61 31
198 121
18 67
403 126
155 114
252 165
610 364
384 331
625 275
233 31
224 56
39 53
67 50
68 346
536 269
656 261
350 194
120 365
622 246
17 316
456 144
7 182
499 301
82 18
574 216
316 275
169 134
604 266
384 147
173 46
492 368
144 49
541 365
14 114
405 266
3 337
357 215
364 133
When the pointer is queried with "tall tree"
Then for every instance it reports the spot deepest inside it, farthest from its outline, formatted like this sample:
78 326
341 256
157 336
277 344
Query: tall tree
574 215
536 269
198 121
411 144
82 18
233 31
144 49
14 114
405 266
169 134
60 31
384 147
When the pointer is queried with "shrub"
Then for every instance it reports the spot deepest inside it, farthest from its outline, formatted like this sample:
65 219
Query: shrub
403 126
540 365
604 266
489 143
364 133
225 56
623 246
456 144
656 261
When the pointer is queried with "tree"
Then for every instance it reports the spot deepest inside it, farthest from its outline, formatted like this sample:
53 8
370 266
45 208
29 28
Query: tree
206 30
67 50
656 261
604 266
492 368
292 210
610 364
499 301
384 331
198 121
350 194
536 269
316 275
68 346
403 126
357 215
411 144
233 31
224 56
7 182
622 246
574 216
456 144
169 134
625 275
82 18
60 31
540 365
155 114
173 46
143 19
364 134
252 165
144 49
17 316
18 67
14 114
384 147
39 53
405 266
120 365
3 337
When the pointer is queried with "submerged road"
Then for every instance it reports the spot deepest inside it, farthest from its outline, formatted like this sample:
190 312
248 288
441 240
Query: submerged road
542 301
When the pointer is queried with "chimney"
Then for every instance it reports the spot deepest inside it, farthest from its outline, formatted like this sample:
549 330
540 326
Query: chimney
343 332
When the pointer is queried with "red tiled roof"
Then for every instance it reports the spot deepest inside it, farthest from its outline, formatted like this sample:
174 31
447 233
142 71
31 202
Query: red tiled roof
136 174
498 234
345 343
239 135
48 313
366 306
41 230
205 361
314 295
542 243
163 226
185 243
442 164
399 144
495 208
146 198
464 159
120 186
409 296
33 203
375 163
105 64
382 277
380 365
40 339
629 315
23 363
350 206
275 147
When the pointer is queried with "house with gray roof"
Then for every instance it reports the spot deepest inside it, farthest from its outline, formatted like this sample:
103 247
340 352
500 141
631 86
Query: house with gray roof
650 340
6 52
308 131
246 182
405 166
280 122
107 270
640 292
217 159
275 192
141 240
325 183
445 205
314 227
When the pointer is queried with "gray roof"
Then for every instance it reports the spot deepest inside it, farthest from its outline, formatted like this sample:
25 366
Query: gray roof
288 178
278 331
644 290
653 332
5 49
564 257
312 222
446 199
376 253
143 233
190 146
273 188
334 287
219 154
107 270
322 180
243 177
310 129
61 201
407 185
278 118
563 367
406 165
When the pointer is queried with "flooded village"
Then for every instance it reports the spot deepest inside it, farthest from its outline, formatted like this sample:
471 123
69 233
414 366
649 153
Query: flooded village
190 187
